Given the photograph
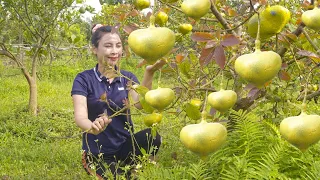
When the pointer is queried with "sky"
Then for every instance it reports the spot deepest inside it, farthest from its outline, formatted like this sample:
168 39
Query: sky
93 3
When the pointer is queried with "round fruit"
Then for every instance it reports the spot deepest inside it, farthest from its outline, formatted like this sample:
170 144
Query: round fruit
151 43
184 28
301 131
161 18
141 4
82 10
222 100
311 18
195 8
145 106
160 98
196 102
203 138
151 119
272 21
258 67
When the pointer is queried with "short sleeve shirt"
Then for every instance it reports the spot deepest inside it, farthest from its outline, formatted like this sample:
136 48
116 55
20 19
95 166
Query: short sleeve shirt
93 85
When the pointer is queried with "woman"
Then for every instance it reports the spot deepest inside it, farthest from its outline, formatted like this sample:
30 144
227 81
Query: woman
100 92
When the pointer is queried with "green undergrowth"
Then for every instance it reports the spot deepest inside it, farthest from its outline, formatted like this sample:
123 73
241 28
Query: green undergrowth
38 147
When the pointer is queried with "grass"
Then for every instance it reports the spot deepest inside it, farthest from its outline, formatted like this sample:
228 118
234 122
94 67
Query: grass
28 149
32 148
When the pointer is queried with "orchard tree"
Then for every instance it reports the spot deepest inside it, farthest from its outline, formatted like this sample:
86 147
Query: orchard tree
227 54
36 24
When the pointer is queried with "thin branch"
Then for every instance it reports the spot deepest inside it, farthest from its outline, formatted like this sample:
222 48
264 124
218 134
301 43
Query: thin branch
310 41
310 96
222 21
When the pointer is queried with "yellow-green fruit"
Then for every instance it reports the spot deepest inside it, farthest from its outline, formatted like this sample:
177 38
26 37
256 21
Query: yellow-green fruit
160 98
222 100
184 28
82 10
203 138
301 131
145 106
151 119
311 18
151 43
272 21
161 18
141 4
258 67
195 8
196 102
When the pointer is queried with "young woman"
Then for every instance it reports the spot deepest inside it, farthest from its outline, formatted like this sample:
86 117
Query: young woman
99 93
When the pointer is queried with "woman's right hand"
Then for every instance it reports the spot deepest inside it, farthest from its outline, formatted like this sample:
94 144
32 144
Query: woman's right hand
99 125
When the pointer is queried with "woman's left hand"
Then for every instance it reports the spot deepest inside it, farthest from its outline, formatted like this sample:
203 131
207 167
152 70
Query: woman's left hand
156 66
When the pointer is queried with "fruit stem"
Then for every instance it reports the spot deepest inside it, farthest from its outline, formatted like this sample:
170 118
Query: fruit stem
204 113
159 78
257 42
152 20
221 83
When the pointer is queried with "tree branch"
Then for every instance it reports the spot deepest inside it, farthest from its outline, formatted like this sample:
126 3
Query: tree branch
310 96
222 21
310 41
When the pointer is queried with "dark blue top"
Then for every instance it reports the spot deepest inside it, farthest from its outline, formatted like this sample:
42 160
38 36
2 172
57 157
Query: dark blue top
92 84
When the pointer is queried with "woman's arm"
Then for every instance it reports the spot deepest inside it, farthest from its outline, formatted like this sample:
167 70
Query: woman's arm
147 79
81 116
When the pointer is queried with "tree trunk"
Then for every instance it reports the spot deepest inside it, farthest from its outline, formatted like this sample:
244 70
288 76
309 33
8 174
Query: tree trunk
33 101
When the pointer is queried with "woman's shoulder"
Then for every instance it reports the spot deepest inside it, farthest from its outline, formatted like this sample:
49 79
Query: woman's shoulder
86 74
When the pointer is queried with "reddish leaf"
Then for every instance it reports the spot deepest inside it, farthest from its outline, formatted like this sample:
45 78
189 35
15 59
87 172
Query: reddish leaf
291 36
133 13
232 12
201 36
179 58
284 75
249 87
307 53
253 93
229 40
210 44
284 65
220 56
212 111
206 56
129 28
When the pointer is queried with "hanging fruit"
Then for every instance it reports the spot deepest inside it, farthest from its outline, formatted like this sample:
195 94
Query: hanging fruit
161 18
203 138
195 8
311 18
184 28
151 43
222 100
301 131
160 98
141 4
272 19
151 119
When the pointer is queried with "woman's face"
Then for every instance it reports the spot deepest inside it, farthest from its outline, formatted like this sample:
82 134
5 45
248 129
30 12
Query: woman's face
109 50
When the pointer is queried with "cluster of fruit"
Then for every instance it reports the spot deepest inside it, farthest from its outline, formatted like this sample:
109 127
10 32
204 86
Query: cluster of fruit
257 68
